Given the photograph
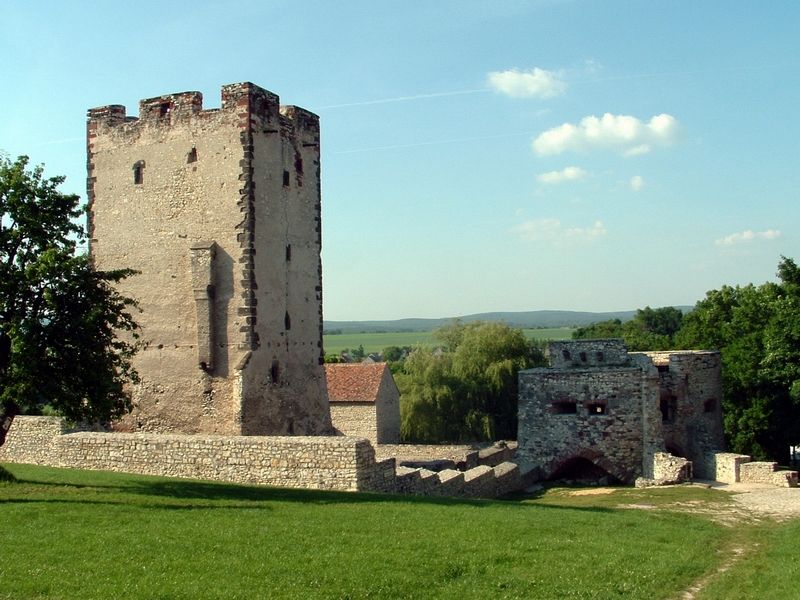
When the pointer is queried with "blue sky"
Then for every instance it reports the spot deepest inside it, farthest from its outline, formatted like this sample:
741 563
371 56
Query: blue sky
477 156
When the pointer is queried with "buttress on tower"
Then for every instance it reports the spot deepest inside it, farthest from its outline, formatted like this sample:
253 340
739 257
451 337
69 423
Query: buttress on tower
219 210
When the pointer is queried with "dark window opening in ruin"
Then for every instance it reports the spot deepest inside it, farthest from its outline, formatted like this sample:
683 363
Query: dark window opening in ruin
663 368
288 252
287 322
275 371
298 163
566 354
596 409
583 356
192 156
138 172
164 108
600 357
581 471
668 406
565 407
286 179
710 405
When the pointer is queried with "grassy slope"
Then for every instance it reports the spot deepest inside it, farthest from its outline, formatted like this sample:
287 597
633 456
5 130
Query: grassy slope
376 342
74 534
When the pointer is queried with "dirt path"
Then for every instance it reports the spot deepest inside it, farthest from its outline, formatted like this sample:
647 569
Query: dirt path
751 502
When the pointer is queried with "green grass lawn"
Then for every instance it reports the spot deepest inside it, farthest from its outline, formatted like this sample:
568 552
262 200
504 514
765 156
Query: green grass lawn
376 342
80 534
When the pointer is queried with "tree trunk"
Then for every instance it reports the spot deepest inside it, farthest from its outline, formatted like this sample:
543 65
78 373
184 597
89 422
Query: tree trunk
9 411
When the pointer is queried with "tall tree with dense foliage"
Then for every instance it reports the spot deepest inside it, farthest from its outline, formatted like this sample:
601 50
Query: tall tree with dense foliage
757 330
650 329
60 319
466 390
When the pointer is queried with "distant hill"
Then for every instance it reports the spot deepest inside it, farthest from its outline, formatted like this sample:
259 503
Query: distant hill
526 320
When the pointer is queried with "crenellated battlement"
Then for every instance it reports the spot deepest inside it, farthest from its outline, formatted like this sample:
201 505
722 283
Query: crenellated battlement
248 101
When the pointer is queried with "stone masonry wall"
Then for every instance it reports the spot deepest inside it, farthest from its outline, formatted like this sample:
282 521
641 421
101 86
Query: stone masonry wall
311 462
690 395
219 210
357 419
332 463
583 413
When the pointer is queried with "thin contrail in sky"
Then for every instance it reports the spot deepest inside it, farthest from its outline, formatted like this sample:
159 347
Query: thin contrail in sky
406 98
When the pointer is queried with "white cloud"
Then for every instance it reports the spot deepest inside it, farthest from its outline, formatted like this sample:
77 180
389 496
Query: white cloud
551 230
534 83
566 174
623 132
748 236
637 183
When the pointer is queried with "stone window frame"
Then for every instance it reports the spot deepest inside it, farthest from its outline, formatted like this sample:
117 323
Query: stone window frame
597 409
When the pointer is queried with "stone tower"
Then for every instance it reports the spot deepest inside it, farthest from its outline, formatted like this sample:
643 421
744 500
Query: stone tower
219 210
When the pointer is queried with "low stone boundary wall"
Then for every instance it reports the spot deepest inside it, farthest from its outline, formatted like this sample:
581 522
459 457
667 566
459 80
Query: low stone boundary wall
330 463
465 456
728 467
326 463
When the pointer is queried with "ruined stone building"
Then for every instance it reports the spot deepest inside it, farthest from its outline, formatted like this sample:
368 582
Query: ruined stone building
365 401
219 210
599 409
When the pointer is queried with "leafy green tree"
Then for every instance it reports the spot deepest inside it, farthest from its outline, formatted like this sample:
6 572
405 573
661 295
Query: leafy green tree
60 319
466 390
602 329
650 329
757 330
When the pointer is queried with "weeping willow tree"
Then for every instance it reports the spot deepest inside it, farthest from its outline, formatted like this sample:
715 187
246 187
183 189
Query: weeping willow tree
465 390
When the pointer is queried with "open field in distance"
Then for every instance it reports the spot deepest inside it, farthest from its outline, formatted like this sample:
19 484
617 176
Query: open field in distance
376 342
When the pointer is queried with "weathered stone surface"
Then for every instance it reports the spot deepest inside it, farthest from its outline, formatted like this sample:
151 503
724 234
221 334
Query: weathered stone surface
603 407
234 326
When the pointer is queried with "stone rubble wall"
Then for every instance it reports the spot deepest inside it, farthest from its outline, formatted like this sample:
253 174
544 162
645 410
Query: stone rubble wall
724 466
667 470
310 462
331 463
356 419
766 472
728 467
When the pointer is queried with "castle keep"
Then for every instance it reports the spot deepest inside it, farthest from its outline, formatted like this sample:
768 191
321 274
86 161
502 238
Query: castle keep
600 409
219 210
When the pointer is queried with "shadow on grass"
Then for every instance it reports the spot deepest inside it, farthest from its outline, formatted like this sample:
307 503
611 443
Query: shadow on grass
120 486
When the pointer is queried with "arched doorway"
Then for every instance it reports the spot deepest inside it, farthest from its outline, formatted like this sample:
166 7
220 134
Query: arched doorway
579 470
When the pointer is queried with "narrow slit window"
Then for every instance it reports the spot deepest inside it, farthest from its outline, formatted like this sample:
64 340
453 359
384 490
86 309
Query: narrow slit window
138 172
286 179
275 371
287 321
565 407
288 252
192 156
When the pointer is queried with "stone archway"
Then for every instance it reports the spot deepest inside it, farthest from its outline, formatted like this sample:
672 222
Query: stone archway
590 466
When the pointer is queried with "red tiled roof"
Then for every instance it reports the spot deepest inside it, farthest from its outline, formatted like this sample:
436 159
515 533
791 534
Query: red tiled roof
354 382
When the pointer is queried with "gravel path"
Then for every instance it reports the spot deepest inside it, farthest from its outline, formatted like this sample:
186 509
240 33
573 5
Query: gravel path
779 503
